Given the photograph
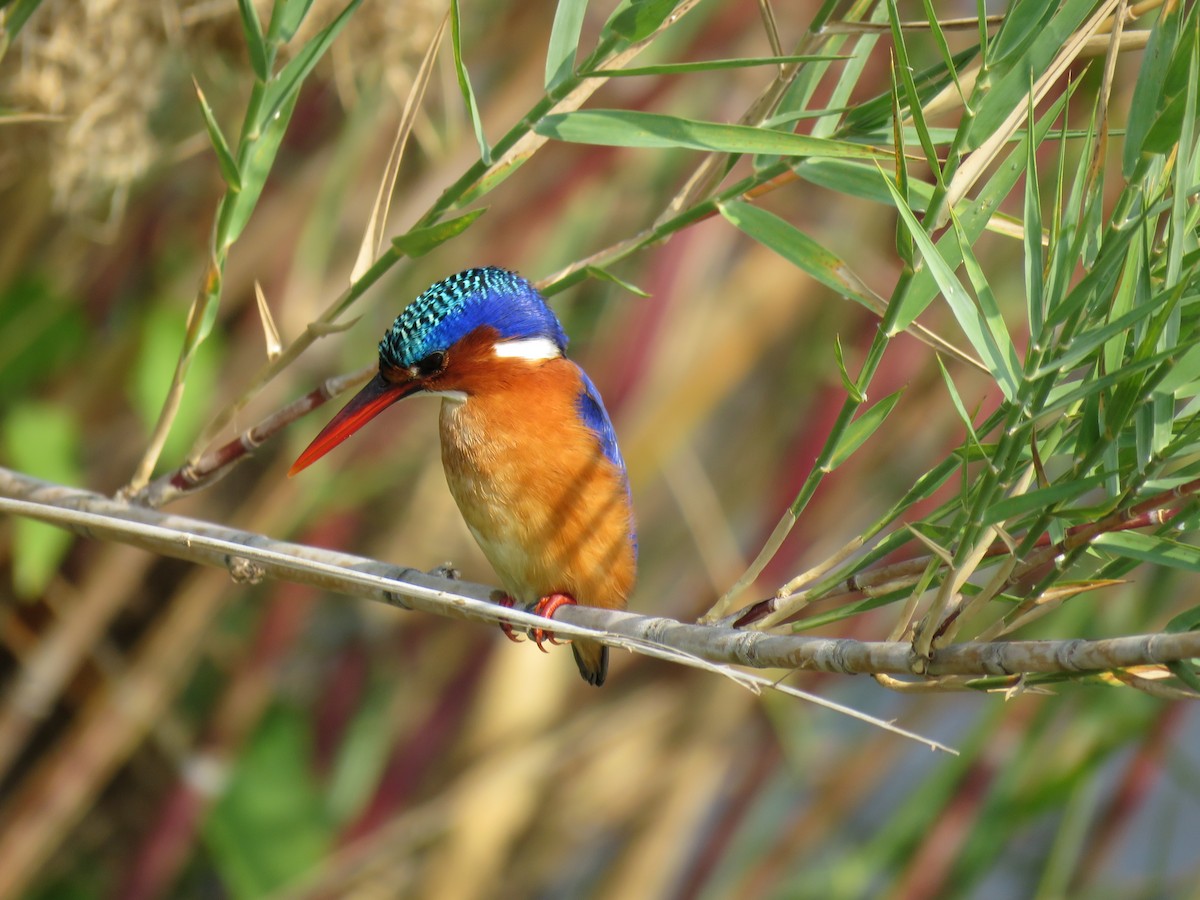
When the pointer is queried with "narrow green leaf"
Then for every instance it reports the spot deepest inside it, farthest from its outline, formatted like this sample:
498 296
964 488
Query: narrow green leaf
634 20
1008 88
1185 373
1078 350
956 399
715 65
943 46
1185 621
1066 395
257 158
16 14
225 160
847 382
862 180
1042 499
43 440
627 128
260 57
284 88
990 309
974 215
601 274
286 18
1171 104
1150 548
464 84
903 68
564 41
965 311
1186 673
1032 231
860 429
420 241
793 245
1148 89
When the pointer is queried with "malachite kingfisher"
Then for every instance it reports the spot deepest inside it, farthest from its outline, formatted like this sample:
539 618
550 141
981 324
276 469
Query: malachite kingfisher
529 452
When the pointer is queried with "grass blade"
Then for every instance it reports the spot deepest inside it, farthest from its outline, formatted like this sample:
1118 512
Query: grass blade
464 84
564 41
627 128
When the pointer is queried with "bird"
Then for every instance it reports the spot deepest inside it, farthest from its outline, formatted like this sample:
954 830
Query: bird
529 451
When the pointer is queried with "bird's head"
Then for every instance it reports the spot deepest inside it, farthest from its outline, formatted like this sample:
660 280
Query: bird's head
461 332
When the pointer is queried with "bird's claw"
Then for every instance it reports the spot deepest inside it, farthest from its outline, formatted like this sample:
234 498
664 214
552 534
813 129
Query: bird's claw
508 603
547 607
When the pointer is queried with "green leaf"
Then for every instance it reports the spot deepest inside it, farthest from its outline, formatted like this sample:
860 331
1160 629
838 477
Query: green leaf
627 128
269 827
847 382
1042 499
976 328
284 88
1150 548
225 160
1032 234
795 246
903 68
564 41
260 56
464 84
1186 673
860 429
286 18
715 65
152 369
1148 89
862 180
1008 89
1185 372
956 399
974 215
42 440
257 158
634 20
16 14
420 241
1185 621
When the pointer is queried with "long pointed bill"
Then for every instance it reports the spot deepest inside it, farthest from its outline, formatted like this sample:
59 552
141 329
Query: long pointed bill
376 396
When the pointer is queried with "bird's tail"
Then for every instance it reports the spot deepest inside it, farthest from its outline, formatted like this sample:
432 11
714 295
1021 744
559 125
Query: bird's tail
592 659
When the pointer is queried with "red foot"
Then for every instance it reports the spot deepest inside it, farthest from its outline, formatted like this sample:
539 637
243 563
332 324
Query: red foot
547 607
507 602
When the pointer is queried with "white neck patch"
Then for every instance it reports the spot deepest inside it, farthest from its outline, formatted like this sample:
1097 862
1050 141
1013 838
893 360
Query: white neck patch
535 349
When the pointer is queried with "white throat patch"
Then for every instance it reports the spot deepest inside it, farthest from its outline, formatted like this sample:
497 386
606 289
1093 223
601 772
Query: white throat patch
533 349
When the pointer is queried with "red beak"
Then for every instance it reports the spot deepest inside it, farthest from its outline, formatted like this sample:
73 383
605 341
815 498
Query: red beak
376 396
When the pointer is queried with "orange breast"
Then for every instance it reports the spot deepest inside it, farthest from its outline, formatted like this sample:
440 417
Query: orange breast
549 510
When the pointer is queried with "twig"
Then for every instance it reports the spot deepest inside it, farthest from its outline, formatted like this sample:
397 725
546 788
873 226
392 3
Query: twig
215 464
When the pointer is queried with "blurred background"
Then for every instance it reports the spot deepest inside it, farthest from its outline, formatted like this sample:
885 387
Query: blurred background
166 732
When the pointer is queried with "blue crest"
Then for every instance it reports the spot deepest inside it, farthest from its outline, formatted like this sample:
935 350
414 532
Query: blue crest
454 307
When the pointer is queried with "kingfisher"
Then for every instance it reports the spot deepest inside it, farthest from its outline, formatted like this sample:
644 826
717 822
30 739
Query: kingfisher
529 452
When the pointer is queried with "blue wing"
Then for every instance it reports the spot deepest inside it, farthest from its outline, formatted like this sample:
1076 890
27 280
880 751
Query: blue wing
594 415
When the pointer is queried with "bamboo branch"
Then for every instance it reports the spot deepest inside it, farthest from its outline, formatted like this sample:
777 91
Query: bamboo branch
251 556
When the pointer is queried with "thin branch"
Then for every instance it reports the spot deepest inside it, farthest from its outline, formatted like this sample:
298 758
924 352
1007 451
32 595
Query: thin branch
251 556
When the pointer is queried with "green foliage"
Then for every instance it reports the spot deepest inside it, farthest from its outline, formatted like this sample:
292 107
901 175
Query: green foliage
43 440
270 824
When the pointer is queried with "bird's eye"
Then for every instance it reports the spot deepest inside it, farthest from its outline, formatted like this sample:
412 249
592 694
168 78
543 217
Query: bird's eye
431 364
